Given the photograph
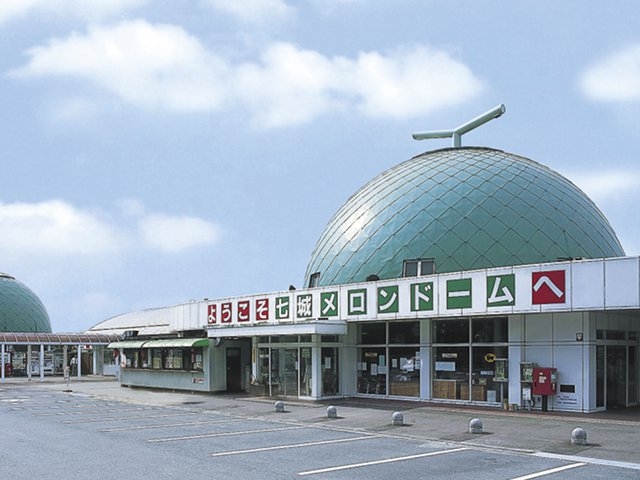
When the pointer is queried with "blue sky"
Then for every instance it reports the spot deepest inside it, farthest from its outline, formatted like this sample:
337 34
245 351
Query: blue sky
155 152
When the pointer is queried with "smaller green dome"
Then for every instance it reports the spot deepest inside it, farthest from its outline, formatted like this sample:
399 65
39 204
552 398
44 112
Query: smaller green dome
20 309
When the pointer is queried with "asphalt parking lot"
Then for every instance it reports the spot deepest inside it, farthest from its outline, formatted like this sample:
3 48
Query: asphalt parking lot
100 428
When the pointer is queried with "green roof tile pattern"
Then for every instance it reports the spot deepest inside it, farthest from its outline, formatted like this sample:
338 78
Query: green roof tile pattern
20 309
466 208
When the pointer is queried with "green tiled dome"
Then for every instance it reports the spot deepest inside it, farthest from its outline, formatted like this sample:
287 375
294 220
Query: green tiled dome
465 208
20 309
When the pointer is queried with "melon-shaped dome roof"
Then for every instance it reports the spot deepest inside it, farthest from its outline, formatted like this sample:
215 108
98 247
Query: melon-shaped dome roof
464 208
20 309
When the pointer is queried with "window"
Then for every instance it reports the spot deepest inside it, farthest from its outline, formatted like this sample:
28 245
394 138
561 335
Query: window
372 333
329 338
173 359
404 332
490 330
314 279
418 267
451 331
156 359
469 359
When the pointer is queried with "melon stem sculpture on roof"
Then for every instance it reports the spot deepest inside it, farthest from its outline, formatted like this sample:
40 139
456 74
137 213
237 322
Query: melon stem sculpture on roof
457 132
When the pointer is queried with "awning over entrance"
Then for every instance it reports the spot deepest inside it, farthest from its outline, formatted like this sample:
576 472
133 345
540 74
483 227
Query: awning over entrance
177 343
161 343
127 344
322 327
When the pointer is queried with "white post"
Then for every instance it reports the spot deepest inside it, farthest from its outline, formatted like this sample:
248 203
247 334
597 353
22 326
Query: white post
2 355
65 363
96 359
79 353
42 362
29 360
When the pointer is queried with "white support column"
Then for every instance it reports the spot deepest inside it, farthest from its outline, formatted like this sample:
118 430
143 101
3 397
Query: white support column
79 354
42 362
29 359
426 373
65 362
2 362
316 369
95 350
517 354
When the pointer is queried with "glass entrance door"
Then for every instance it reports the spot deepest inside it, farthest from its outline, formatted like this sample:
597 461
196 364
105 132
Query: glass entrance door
287 370
305 371
616 376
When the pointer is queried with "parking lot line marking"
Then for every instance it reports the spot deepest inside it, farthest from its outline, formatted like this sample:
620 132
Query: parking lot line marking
550 471
166 425
123 418
589 460
294 445
380 462
221 434
78 413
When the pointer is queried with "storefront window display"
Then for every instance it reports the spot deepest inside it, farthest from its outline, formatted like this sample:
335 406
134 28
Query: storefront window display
450 372
404 374
372 371
165 358
172 359
389 358
468 359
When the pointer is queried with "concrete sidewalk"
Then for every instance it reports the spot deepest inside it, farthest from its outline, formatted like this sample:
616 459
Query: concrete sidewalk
611 436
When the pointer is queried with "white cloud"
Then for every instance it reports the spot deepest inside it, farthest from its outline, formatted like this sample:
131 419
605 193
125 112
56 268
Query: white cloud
289 86
88 10
163 67
410 82
615 78
608 186
254 11
54 227
153 66
173 234
58 229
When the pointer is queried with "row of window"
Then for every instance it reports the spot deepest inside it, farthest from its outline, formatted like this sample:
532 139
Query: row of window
164 358
477 330
410 268
469 359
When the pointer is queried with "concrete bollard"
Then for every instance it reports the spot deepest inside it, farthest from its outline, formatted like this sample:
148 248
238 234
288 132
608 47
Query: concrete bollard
332 412
475 426
578 436
279 405
397 419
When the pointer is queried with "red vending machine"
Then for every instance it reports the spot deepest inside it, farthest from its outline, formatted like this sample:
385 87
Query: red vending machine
545 380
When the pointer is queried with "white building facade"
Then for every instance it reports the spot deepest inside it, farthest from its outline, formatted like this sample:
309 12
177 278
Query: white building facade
461 337
452 277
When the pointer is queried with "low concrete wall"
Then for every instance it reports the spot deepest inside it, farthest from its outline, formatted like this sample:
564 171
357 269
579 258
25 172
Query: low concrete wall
169 379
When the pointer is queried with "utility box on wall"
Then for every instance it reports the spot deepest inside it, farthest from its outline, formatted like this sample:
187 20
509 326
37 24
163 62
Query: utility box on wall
545 381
